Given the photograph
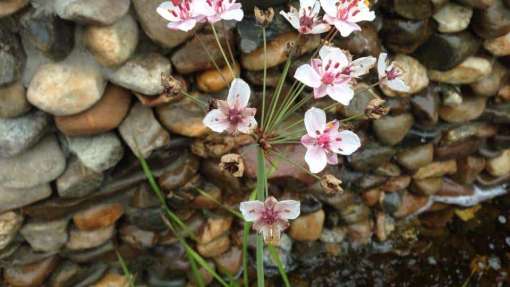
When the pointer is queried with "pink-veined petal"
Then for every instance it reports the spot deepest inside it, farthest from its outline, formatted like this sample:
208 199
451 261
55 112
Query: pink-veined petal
248 125
201 8
307 141
320 92
315 121
398 85
185 26
364 15
316 159
270 202
320 28
293 19
362 66
346 28
381 65
335 55
329 6
164 11
288 209
251 210
308 76
349 143
239 93
332 158
216 121
341 93
271 233
236 14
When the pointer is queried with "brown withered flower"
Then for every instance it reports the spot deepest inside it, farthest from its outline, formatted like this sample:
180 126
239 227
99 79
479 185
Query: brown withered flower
232 163
330 184
376 109
264 17
173 89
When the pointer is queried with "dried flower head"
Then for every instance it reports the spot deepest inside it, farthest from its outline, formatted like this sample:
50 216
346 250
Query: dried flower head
171 85
330 184
264 17
232 163
376 109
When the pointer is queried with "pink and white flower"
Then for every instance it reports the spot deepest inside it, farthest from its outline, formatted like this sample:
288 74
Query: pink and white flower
234 114
389 75
306 20
270 217
333 74
182 15
217 10
324 141
345 14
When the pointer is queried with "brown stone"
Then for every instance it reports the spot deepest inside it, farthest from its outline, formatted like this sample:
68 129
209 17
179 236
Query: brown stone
214 228
229 262
13 101
427 186
8 7
410 204
184 117
307 227
112 280
372 196
451 188
213 81
396 183
436 169
98 216
278 51
104 116
500 165
214 248
470 109
416 157
469 168
30 275
86 239
137 237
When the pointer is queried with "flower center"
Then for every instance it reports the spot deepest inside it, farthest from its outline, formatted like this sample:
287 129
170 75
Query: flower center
182 9
328 78
269 216
234 116
323 141
347 8
393 73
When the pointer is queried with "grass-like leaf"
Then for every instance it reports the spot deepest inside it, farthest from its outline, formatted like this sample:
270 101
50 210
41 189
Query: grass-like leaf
125 270
281 269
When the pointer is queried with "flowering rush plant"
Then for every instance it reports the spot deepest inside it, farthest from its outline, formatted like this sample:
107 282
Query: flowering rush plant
331 72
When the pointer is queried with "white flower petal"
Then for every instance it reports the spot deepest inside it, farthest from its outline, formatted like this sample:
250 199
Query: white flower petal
362 66
185 26
288 209
216 121
398 85
233 14
293 19
329 6
251 210
349 144
320 28
164 10
247 126
316 159
315 121
201 8
335 55
341 93
308 76
364 15
381 65
346 28
239 93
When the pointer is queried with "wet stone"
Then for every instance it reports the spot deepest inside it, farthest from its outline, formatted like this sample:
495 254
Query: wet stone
364 42
307 227
183 118
436 169
21 133
46 235
493 21
391 130
416 157
453 18
13 101
99 12
405 36
98 152
467 72
85 239
141 73
445 51
155 26
104 116
40 164
30 275
99 216
53 36
470 109
371 156
142 132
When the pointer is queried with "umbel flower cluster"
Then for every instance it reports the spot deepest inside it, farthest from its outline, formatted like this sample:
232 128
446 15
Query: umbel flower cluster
334 73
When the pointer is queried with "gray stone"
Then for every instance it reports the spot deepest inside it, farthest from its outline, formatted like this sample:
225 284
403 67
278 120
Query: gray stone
86 239
68 87
21 133
40 164
35 58
46 235
12 198
142 132
11 57
142 74
453 18
155 26
78 180
391 130
99 12
10 223
99 152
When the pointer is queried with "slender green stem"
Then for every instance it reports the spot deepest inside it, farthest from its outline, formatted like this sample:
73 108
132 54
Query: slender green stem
230 210
125 269
222 51
260 190
281 268
260 261
246 233
216 66
229 49
265 77
276 95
